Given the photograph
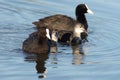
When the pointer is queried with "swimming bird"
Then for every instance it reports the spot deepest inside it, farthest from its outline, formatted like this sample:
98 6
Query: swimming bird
80 11
37 42
65 24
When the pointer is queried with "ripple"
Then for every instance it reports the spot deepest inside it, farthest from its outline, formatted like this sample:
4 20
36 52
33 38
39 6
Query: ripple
105 37
18 10
103 50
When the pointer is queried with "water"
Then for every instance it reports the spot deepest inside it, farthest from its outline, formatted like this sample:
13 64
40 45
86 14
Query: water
100 62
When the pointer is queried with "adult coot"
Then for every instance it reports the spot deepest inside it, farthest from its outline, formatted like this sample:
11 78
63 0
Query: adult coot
65 24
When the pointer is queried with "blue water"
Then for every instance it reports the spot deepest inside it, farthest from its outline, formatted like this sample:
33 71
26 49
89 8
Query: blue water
102 54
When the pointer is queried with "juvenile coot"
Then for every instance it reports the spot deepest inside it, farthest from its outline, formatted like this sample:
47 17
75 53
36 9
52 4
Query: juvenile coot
38 42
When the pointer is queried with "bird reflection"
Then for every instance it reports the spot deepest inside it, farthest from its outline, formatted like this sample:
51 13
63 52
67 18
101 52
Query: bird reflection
40 63
40 60
53 58
78 54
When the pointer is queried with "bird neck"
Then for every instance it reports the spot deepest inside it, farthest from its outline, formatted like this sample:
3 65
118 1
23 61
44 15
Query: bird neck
82 19
75 41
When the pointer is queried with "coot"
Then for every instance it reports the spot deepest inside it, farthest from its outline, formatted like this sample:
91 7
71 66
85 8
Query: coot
37 42
65 24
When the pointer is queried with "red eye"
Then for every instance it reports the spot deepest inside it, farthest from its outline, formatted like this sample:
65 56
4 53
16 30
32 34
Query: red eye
84 7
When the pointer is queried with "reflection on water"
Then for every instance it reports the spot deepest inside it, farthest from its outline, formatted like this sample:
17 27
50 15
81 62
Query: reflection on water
101 54
77 54
77 59
40 60
53 58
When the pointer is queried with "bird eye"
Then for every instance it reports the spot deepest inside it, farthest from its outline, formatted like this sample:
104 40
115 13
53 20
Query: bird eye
80 26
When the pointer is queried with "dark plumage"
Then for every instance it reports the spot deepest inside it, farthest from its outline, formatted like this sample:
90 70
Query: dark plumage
56 22
66 24
37 42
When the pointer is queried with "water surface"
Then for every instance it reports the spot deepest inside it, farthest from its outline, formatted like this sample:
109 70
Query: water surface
100 62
